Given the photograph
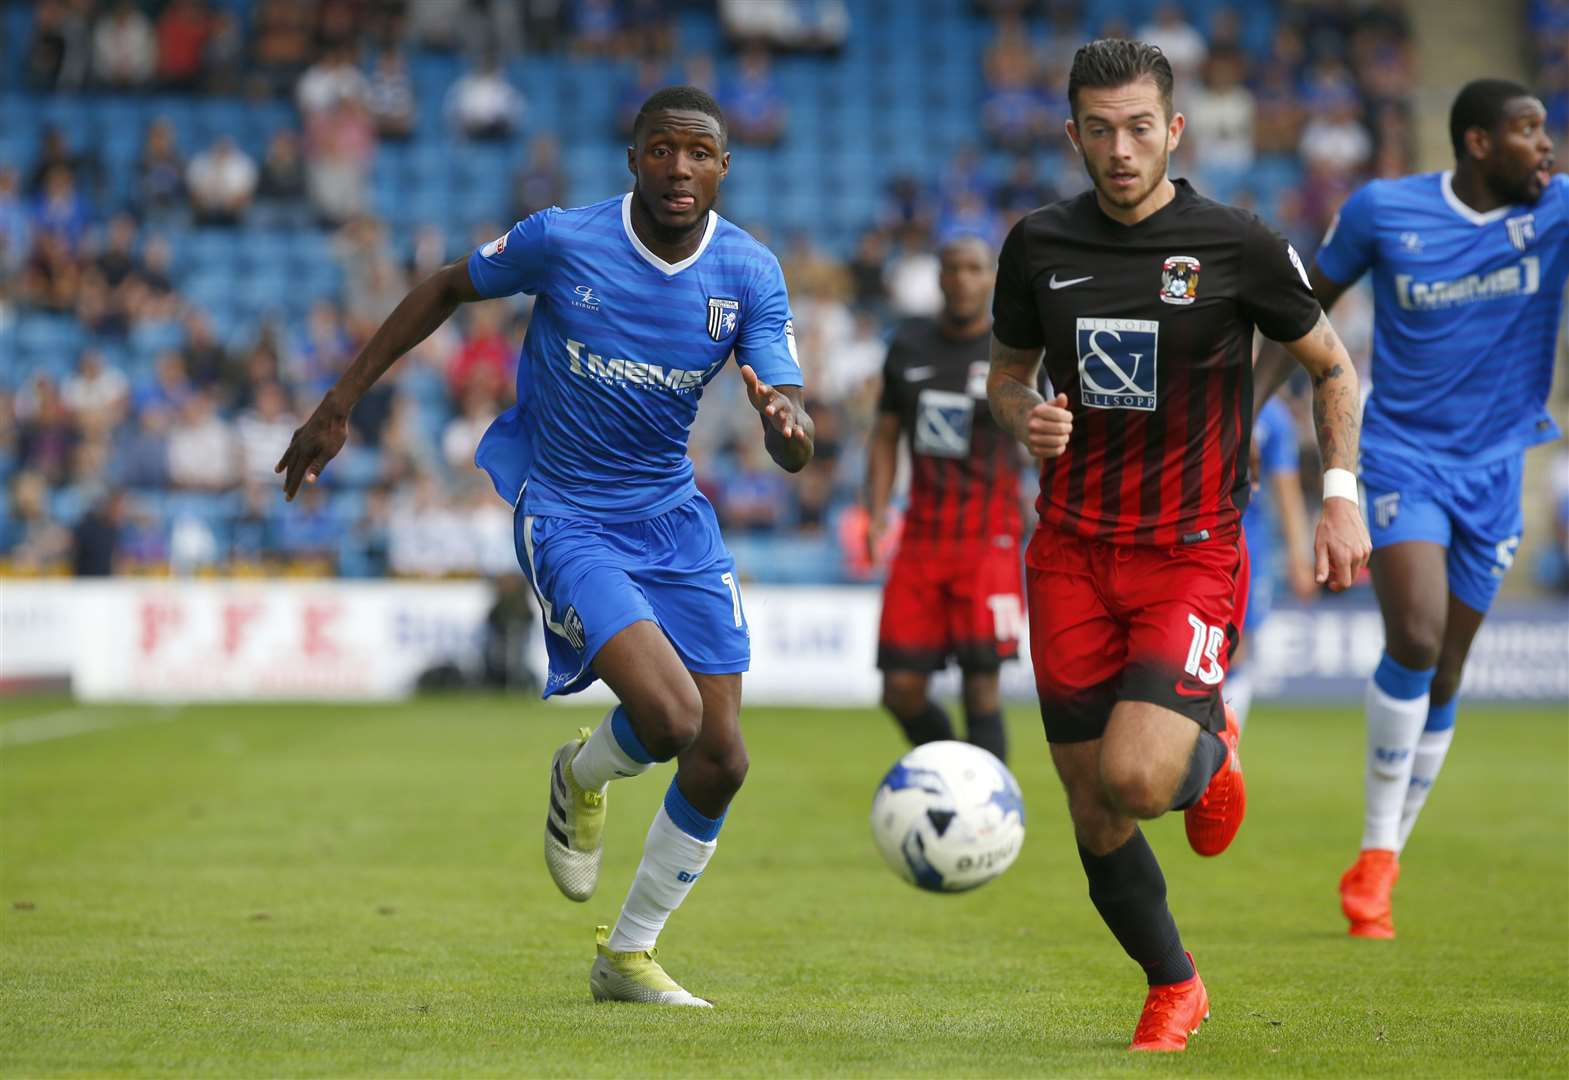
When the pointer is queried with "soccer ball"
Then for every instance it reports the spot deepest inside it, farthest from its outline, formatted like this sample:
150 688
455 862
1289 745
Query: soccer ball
948 817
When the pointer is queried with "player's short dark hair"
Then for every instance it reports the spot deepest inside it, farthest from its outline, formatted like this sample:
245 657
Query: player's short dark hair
1480 103
1109 62
687 99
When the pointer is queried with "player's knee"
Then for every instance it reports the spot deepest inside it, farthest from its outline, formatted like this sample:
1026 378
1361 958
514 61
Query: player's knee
903 702
672 722
1134 787
1414 640
727 771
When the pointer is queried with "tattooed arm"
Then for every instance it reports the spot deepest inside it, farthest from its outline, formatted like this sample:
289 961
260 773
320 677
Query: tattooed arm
1274 363
1042 426
1340 545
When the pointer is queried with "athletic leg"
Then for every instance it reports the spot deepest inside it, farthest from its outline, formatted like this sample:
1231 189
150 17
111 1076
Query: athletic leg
905 696
983 712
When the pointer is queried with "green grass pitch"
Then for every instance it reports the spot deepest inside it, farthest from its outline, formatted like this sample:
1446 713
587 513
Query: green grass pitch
349 890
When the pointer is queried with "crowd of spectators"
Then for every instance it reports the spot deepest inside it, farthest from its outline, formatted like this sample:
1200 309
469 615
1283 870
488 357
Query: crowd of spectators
168 464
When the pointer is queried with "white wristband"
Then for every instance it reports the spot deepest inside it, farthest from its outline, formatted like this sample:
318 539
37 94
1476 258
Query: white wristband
1340 484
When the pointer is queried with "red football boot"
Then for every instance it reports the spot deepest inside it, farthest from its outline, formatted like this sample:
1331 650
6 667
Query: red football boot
1365 893
1213 821
1171 1013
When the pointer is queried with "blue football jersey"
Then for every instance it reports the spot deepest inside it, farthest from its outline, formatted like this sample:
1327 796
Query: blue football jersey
618 350
1275 435
1466 315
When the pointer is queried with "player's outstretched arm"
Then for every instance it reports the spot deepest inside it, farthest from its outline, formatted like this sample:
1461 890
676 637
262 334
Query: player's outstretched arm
1341 546
427 306
1042 426
788 432
1275 364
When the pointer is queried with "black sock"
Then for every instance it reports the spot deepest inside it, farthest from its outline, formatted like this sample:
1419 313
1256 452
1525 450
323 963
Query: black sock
986 731
1209 754
1129 891
930 725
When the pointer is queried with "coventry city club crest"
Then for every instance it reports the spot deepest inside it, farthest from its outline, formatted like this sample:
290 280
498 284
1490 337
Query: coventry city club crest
1179 279
722 315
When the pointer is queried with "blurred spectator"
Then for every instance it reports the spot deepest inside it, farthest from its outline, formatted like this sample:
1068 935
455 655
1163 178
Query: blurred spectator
428 253
282 39
141 454
201 446
16 226
368 538
1334 139
330 82
54 152
223 54
462 434
183 29
912 276
420 532
786 24
649 74
596 27
1013 112
754 495
47 435
205 357
95 542
340 143
1220 117
60 208
222 182
51 276
1182 43
116 258
160 174
485 358
34 540
125 49
254 536
282 178
867 266
482 104
391 96
59 53
169 386
754 108
1022 191
309 532
319 353
969 215
539 182
97 394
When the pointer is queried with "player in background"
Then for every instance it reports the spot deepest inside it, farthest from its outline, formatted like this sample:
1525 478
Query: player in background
640 301
1144 296
1275 512
955 588
1468 272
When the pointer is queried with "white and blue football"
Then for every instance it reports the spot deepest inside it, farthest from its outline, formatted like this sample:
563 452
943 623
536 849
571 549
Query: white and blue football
948 817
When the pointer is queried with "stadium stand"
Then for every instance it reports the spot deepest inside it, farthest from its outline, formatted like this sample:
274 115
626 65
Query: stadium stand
381 142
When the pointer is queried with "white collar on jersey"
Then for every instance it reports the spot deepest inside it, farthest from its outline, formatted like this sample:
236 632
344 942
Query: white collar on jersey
1446 184
668 268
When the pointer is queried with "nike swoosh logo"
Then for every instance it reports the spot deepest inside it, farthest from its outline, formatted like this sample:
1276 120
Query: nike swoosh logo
916 374
1055 284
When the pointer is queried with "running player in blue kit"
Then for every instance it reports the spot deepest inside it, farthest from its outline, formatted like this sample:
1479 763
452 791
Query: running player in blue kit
1468 271
640 301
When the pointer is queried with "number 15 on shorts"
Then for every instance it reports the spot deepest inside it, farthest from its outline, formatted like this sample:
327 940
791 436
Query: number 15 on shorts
1203 661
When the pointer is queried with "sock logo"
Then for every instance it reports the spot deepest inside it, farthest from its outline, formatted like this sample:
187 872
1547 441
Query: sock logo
1391 755
688 876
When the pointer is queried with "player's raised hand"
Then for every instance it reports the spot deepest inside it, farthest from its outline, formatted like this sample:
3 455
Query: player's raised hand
774 406
1047 428
1341 546
315 443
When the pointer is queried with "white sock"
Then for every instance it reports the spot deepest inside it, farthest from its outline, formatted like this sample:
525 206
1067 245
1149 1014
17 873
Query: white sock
672 862
602 759
1425 764
1393 725
1238 693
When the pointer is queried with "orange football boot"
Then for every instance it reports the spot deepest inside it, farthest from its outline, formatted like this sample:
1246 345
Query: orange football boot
1213 821
1171 1013
1365 891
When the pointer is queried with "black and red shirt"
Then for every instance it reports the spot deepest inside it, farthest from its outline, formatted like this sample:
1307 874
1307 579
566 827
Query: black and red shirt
1148 329
965 470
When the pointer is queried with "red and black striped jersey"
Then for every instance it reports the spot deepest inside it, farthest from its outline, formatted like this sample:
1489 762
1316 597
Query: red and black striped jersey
1148 329
965 470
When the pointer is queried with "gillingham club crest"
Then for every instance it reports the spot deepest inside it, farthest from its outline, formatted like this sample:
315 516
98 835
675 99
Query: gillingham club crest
722 314
1179 279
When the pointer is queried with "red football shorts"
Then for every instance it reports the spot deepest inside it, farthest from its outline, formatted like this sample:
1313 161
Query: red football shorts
960 600
1117 622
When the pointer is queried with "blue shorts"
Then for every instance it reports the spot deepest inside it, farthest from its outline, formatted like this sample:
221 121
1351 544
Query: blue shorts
1473 512
1261 581
594 579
